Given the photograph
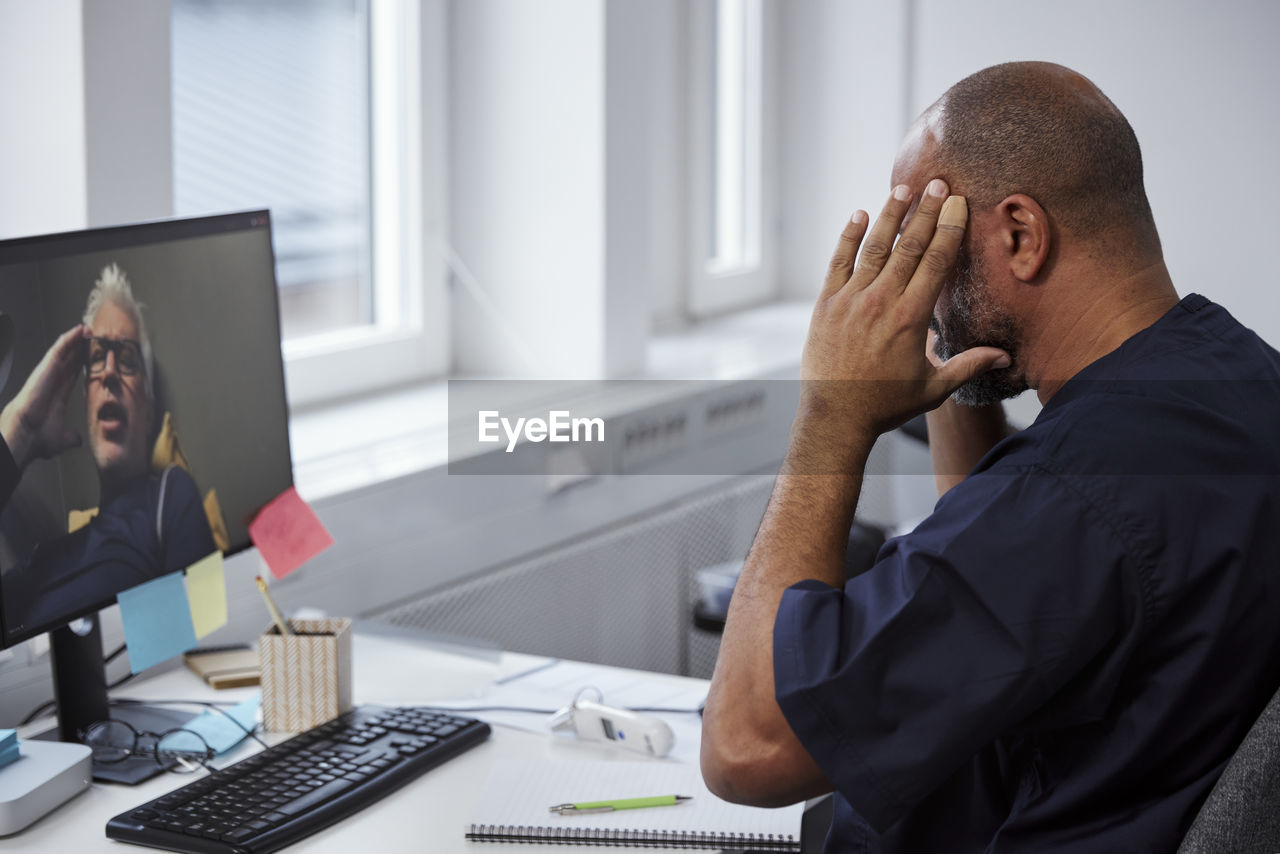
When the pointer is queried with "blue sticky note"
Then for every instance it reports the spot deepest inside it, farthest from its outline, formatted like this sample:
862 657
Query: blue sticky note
157 621
222 734
9 755
8 746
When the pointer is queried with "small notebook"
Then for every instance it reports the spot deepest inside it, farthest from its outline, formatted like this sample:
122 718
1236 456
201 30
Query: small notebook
515 807
225 667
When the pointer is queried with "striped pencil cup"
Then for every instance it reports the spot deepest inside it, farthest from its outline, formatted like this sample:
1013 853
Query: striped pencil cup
306 677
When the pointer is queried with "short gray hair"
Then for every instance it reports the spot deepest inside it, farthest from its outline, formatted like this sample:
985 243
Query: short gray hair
113 286
1042 129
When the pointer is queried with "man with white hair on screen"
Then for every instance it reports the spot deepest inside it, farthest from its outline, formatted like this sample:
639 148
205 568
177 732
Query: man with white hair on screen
148 523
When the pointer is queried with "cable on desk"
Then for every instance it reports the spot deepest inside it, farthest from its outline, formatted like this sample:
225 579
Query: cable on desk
48 704
37 712
111 686
114 654
659 710
127 701
494 709
653 709
599 698
214 704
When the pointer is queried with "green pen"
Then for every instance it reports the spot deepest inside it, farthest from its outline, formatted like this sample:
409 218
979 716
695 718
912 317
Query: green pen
622 804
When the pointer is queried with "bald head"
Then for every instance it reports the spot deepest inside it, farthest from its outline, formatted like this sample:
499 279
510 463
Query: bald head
1046 131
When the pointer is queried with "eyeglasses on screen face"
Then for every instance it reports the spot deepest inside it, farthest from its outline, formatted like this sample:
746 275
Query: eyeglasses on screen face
179 750
128 354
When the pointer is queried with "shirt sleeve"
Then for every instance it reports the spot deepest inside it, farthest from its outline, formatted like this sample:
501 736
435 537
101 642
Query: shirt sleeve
962 629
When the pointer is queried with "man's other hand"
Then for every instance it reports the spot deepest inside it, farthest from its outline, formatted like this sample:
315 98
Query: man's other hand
34 424
865 366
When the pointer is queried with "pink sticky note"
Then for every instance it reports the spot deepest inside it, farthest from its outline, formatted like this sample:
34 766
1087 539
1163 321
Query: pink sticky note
288 533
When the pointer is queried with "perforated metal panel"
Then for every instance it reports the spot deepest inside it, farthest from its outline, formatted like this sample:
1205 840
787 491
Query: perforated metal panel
623 597
704 646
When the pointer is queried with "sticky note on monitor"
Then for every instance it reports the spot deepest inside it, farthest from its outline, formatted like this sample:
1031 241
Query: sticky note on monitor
207 594
288 533
157 621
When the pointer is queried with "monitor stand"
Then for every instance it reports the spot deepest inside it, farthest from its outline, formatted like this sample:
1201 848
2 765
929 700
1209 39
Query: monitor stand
80 692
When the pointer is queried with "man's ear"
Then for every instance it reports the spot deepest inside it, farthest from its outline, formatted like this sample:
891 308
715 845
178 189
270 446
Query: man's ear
1025 235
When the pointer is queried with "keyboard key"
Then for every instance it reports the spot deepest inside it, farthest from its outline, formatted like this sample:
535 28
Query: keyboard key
324 793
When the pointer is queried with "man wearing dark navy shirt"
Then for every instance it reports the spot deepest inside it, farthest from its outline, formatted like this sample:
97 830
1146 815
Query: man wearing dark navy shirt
147 523
1063 656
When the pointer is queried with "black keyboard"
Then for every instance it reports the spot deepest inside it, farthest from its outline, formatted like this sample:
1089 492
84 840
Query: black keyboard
290 791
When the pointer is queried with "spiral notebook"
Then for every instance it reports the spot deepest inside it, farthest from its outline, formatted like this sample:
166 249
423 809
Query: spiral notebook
515 807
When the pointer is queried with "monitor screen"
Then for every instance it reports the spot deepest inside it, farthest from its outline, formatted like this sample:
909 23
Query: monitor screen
142 408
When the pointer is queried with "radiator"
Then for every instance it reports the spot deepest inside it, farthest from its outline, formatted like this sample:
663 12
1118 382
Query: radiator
623 596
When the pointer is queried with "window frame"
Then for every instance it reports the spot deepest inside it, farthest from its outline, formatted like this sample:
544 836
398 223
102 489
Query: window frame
714 289
408 340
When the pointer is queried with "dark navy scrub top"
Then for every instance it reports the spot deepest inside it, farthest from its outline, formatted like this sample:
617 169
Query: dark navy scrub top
1064 655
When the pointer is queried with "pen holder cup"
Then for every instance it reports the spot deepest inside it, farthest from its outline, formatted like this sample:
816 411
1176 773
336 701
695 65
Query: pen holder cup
306 677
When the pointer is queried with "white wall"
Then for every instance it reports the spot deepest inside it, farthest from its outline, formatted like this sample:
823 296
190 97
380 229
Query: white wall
42 148
86 107
527 141
660 142
842 117
128 111
1198 82
637 121
567 199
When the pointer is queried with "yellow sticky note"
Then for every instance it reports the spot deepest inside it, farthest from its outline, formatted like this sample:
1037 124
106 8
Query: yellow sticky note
207 594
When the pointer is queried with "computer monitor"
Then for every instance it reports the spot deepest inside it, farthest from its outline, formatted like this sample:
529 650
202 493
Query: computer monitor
135 441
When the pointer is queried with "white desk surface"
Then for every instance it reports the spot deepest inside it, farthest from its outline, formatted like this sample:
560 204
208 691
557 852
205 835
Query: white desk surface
428 814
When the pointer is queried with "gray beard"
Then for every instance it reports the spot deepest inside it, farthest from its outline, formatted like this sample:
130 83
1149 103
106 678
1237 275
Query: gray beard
971 323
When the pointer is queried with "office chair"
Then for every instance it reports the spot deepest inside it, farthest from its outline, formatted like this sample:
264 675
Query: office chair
1242 813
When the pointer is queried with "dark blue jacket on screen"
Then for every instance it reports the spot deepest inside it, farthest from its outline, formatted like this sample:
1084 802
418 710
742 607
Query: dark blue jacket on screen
1064 655
157 527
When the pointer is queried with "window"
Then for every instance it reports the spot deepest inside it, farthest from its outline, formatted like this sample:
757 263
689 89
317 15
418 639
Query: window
733 245
736 131
316 110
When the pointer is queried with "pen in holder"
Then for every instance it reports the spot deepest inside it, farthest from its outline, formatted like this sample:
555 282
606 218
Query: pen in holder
306 676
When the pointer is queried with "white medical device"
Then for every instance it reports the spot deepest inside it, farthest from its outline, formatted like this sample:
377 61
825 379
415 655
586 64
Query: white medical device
623 727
